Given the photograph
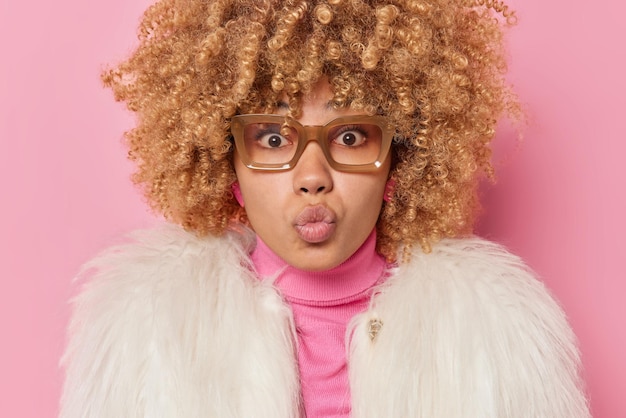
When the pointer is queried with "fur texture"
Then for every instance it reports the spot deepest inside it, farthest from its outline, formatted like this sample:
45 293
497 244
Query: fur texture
176 326
467 332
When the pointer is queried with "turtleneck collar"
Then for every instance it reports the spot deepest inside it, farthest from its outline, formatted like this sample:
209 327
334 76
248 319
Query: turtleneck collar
346 282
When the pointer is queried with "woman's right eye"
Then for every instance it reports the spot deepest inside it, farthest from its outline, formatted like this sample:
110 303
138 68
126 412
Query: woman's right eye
273 140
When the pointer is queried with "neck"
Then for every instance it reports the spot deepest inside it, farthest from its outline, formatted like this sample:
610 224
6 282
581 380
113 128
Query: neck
347 281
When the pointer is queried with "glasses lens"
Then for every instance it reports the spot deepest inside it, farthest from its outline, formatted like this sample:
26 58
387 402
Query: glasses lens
355 144
270 143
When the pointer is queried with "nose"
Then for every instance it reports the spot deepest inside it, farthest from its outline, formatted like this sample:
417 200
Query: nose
312 174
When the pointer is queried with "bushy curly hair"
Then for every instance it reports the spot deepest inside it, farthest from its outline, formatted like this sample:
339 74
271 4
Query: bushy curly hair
434 67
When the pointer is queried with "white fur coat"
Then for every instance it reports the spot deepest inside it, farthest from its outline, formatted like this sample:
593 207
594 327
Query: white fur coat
176 326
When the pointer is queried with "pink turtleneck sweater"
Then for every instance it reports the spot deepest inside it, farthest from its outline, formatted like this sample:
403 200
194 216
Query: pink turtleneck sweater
323 303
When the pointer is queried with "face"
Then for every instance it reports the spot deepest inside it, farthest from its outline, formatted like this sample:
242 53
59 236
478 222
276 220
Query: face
313 216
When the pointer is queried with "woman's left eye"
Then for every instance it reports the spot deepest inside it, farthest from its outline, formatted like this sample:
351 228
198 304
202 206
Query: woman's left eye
350 138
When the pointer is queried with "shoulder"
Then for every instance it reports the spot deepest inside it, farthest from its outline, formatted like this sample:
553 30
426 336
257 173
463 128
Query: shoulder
145 305
472 282
474 270
461 253
168 247
155 268
161 258
471 319
163 327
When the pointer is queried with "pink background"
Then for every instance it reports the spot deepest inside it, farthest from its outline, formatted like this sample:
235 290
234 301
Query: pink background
559 201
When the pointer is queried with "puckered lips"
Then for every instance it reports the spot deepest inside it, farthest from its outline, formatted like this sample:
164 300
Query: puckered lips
315 224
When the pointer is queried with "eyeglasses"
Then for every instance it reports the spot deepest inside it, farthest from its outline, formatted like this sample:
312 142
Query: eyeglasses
274 142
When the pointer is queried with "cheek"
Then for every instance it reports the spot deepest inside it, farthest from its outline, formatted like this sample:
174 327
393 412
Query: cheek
367 186
365 197
261 193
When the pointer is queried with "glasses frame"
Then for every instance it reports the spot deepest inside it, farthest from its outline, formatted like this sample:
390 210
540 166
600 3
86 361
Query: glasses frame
318 133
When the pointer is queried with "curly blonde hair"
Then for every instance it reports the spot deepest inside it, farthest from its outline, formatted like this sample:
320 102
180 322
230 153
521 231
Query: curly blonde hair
435 68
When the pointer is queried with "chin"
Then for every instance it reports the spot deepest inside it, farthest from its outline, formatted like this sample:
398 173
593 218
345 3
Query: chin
313 263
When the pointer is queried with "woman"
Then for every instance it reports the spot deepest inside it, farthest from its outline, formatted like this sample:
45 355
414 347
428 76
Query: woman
322 159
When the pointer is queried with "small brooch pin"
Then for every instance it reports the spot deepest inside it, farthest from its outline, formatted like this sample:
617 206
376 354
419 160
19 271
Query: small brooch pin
374 326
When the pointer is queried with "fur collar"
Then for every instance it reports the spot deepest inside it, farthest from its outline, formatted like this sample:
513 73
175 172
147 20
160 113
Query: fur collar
172 325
